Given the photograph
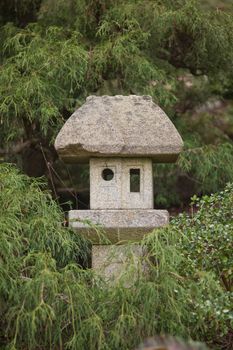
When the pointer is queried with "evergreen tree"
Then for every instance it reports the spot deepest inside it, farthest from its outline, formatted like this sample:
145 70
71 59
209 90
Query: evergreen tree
58 52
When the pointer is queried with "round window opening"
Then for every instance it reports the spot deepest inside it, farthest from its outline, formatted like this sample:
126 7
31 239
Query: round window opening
107 174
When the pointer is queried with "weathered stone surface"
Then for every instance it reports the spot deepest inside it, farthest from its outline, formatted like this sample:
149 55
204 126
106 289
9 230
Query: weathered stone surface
117 225
116 194
113 262
130 126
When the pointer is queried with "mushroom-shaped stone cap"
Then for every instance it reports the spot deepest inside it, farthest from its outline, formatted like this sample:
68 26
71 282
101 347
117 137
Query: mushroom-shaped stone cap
118 126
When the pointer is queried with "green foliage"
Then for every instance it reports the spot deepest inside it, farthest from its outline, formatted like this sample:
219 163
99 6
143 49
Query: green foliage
203 263
208 249
205 165
53 56
48 301
32 222
211 166
209 234
59 52
198 40
38 77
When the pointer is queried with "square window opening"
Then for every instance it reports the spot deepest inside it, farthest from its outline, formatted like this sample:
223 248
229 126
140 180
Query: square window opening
134 180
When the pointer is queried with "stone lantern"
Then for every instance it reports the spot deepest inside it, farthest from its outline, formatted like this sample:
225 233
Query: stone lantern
121 137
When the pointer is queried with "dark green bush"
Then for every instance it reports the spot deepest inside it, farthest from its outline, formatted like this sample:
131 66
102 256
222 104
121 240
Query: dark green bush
204 243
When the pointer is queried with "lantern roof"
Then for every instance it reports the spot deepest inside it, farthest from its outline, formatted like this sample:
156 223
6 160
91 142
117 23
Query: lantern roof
119 126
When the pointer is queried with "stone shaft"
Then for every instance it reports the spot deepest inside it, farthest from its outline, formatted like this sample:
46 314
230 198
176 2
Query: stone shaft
114 262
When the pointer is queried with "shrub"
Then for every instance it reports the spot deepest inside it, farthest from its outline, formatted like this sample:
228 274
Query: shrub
203 242
49 301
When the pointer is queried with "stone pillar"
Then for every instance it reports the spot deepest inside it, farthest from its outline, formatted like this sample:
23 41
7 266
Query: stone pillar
114 262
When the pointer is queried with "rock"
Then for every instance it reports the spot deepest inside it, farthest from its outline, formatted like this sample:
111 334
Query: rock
167 342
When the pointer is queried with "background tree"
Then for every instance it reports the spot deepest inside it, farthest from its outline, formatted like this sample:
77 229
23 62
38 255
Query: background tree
55 53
